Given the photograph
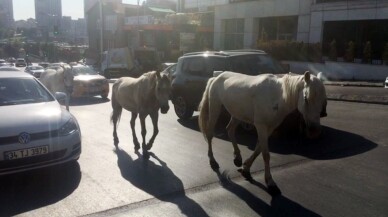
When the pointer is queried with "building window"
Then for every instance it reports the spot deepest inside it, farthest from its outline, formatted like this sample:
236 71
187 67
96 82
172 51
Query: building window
278 28
234 34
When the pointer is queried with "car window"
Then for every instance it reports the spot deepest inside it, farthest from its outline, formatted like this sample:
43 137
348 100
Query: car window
216 64
195 66
83 70
255 64
15 91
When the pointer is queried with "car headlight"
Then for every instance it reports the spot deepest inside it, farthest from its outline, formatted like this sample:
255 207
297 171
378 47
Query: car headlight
68 128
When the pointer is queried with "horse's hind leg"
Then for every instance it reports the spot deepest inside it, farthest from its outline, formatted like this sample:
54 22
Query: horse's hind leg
135 140
214 112
154 118
233 123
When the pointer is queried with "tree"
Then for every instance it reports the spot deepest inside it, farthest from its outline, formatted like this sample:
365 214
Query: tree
368 52
333 50
385 54
350 51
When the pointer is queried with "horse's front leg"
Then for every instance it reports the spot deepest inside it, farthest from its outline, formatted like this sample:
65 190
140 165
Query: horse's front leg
154 117
143 129
135 140
232 125
261 146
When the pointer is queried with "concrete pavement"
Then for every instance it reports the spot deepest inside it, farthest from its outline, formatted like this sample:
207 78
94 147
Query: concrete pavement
363 98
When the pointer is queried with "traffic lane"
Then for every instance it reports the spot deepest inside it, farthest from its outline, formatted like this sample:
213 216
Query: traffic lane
113 178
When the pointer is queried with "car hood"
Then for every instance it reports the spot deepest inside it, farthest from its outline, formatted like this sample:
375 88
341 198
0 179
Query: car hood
88 77
37 70
32 118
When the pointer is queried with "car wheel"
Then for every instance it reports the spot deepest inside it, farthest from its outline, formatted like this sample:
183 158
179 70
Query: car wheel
181 108
107 74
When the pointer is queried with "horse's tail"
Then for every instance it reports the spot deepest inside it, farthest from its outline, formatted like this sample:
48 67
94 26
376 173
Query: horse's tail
117 109
203 108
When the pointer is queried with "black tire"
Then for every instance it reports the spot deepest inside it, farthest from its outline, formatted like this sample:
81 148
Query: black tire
107 74
181 108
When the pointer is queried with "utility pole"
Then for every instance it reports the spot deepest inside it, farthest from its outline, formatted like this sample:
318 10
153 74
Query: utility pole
101 29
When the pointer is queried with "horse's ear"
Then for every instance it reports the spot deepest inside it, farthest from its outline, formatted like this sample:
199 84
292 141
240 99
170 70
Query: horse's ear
307 76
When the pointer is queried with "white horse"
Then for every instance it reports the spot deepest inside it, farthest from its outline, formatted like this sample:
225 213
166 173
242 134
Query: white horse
59 79
141 96
264 101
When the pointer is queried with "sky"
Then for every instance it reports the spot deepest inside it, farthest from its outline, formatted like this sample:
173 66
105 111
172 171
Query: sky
24 9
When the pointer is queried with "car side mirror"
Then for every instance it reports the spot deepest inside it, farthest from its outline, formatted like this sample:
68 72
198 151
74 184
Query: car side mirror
60 96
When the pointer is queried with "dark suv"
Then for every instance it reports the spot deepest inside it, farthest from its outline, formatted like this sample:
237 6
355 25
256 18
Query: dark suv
194 69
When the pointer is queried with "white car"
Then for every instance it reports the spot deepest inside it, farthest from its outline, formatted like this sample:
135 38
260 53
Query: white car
35 130
386 83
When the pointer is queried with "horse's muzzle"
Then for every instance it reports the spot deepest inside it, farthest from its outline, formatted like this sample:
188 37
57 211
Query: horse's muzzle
164 109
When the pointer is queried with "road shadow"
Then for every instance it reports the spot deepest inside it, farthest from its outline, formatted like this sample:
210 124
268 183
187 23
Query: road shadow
279 206
82 101
23 192
332 144
158 180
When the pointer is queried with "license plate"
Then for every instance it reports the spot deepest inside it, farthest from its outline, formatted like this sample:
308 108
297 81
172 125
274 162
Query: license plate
28 152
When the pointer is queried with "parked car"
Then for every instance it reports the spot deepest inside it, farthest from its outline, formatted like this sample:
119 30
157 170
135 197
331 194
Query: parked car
20 62
35 130
194 69
44 64
386 83
34 70
87 82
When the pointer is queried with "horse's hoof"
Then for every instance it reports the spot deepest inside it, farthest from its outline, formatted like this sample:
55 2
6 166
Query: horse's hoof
146 155
137 147
273 190
214 165
246 174
237 161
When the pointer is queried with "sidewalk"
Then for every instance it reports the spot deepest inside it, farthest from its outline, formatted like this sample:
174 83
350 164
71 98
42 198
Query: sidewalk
357 98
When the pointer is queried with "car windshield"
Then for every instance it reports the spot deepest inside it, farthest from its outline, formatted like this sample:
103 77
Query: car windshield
14 91
83 70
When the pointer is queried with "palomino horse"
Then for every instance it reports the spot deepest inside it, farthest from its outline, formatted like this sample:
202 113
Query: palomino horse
59 79
141 96
264 101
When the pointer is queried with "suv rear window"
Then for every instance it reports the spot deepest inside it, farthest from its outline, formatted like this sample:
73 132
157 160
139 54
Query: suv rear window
204 67
254 64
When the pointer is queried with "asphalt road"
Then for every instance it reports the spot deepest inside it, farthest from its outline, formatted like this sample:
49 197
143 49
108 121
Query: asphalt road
343 174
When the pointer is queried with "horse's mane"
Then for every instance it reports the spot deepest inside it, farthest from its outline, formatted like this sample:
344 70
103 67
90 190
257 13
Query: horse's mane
291 85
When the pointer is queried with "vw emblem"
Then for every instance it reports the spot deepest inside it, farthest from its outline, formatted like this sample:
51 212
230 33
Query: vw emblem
24 138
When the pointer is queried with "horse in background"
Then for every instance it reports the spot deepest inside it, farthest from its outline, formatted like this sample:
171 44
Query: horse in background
141 96
59 79
263 101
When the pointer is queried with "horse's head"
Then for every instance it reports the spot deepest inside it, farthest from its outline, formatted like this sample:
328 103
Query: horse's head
162 91
312 104
68 76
